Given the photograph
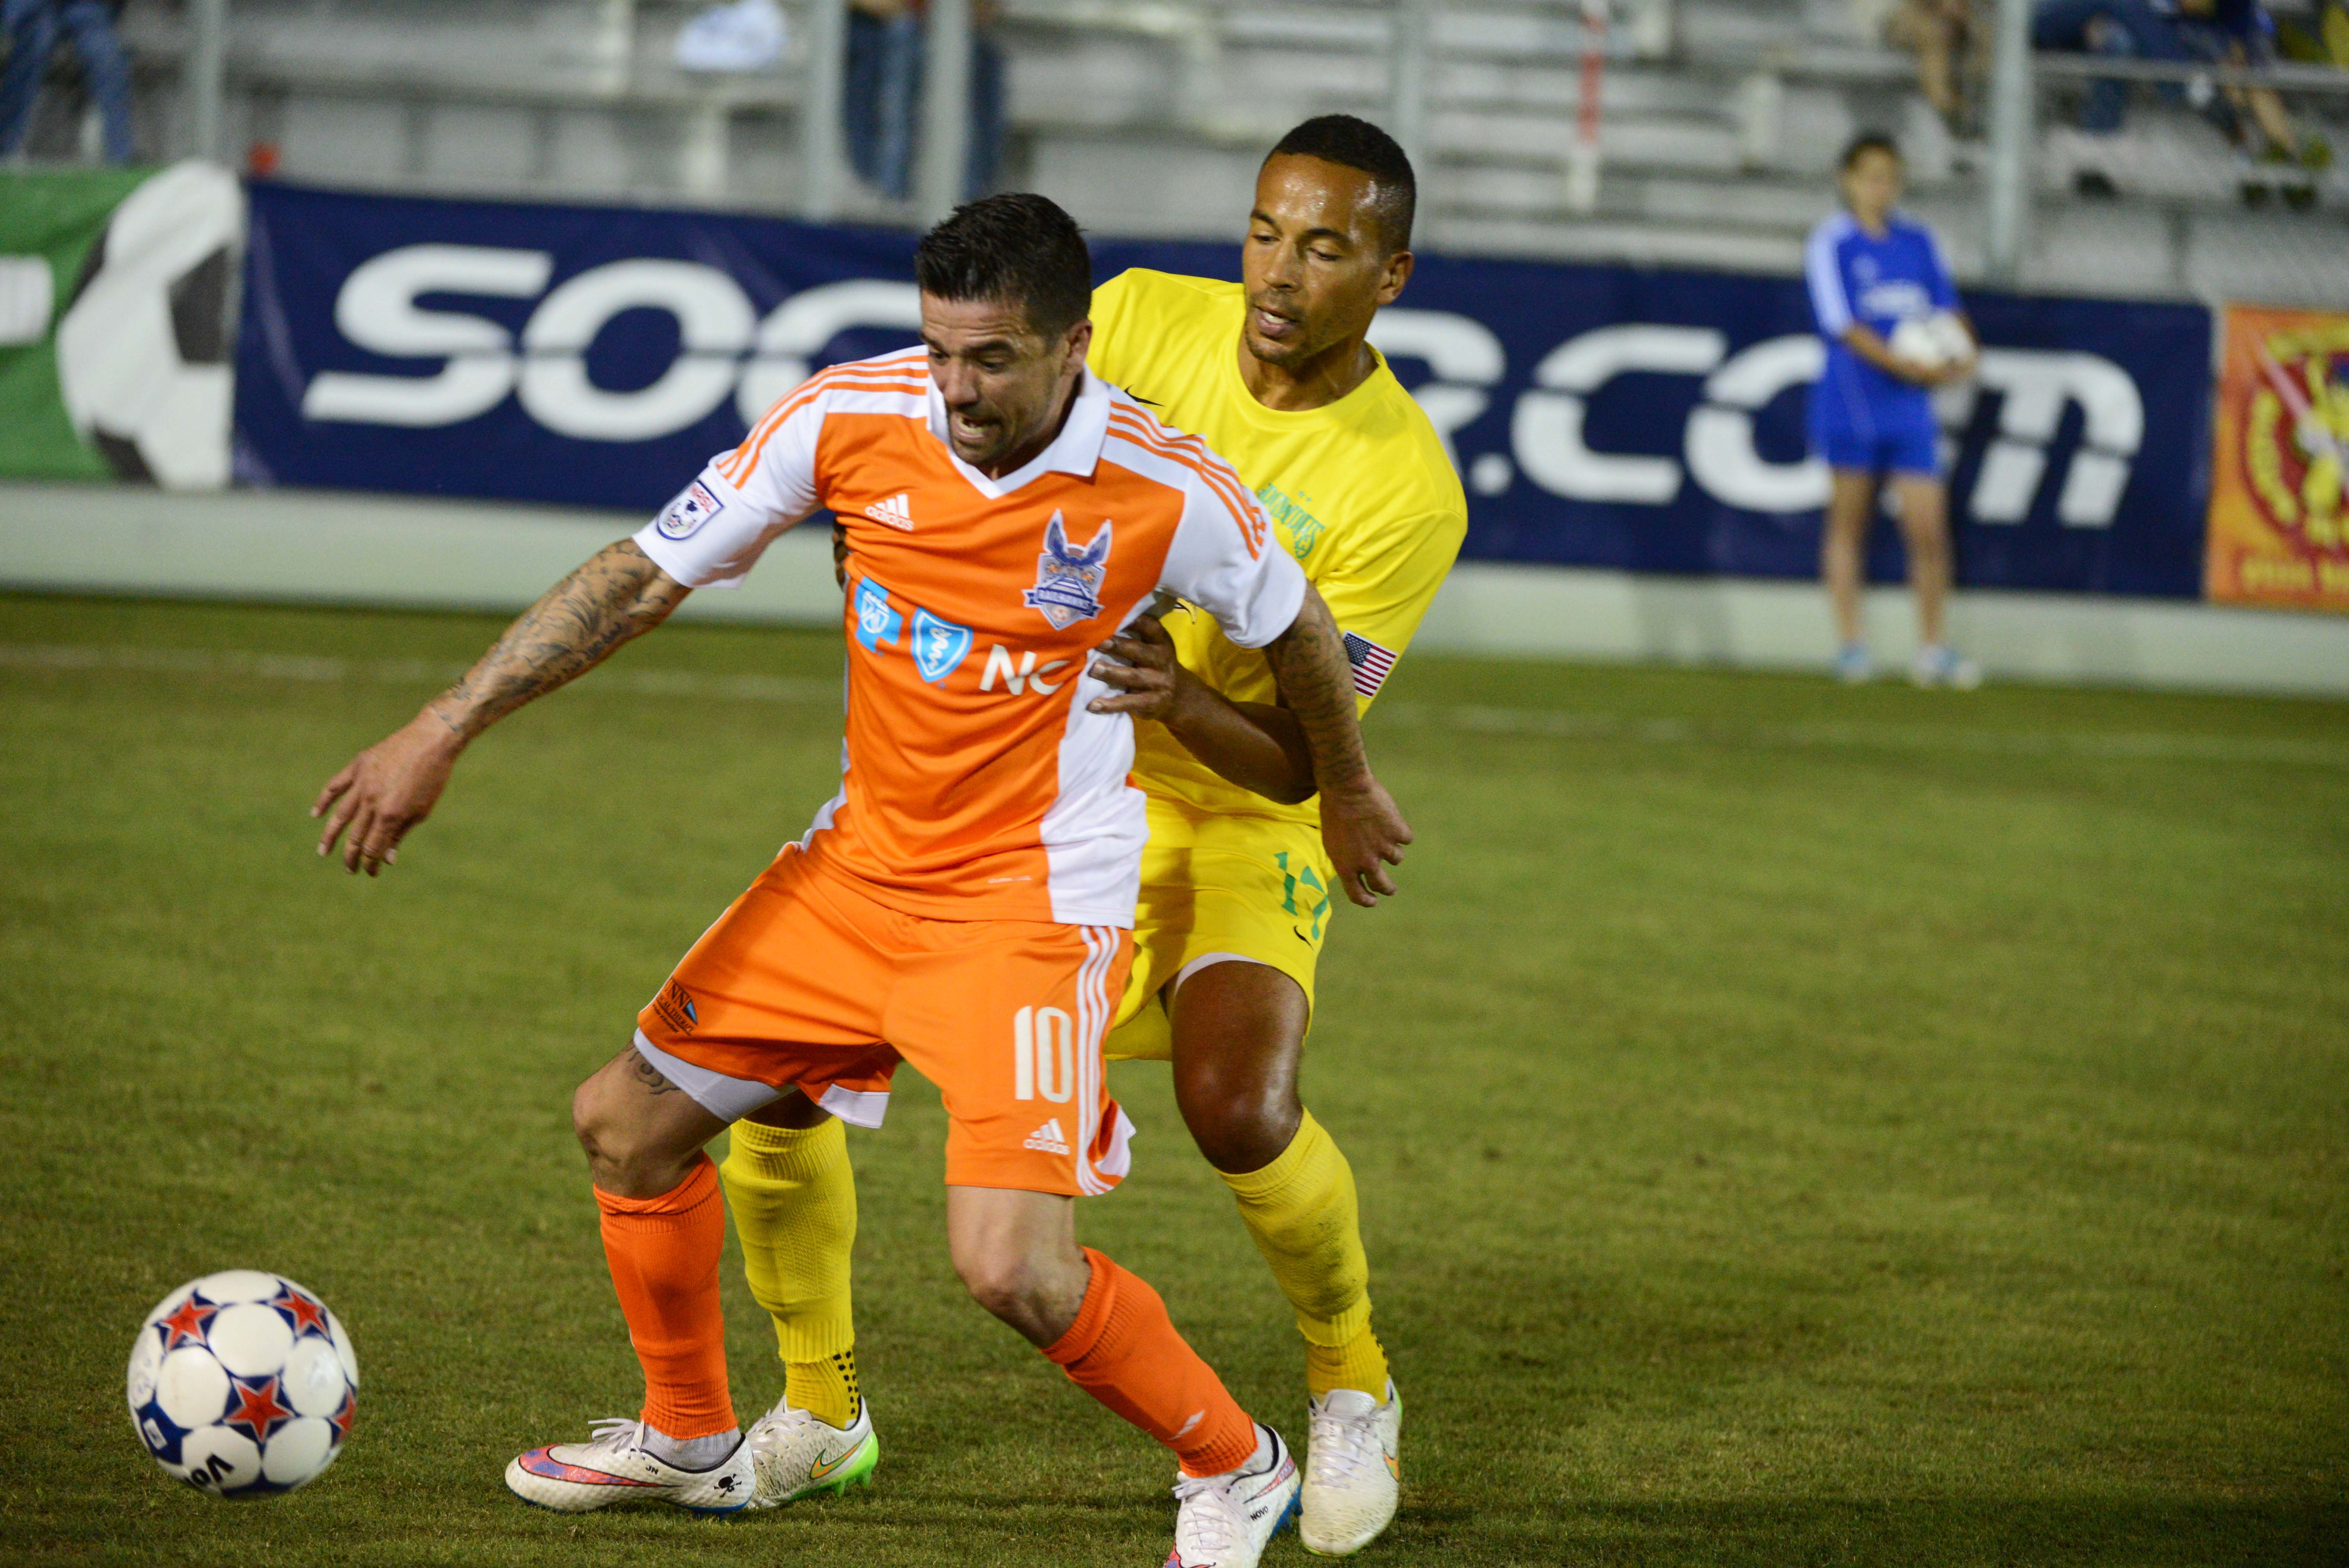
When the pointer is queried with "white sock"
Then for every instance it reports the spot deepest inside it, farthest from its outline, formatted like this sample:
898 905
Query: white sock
1262 1458
692 1453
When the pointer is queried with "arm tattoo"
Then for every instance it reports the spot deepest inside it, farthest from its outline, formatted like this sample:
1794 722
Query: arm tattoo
649 1075
1317 684
617 595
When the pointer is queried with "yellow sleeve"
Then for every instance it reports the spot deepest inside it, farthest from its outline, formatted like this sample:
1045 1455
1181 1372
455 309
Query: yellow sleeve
1381 594
1112 306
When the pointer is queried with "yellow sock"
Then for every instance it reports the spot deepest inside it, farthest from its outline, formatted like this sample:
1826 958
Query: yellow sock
793 1198
825 1388
1300 1210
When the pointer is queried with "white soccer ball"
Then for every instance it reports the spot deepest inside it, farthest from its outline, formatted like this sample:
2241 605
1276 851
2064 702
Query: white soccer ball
144 349
242 1383
1932 340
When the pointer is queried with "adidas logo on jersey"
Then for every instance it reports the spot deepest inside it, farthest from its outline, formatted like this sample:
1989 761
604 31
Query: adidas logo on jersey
1047 1140
897 511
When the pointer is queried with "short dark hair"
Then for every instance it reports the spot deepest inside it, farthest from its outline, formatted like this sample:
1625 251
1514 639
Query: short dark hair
1019 248
1866 142
1356 143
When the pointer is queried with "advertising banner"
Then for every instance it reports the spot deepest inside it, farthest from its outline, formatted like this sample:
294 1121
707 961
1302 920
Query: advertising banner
1599 416
2279 519
118 289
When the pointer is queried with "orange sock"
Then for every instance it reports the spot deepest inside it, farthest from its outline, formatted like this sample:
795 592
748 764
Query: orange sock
664 1254
1123 1350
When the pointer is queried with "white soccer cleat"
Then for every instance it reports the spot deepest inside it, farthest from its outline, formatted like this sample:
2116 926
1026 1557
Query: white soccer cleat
1353 1471
614 1466
1224 1521
1944 667
798 1456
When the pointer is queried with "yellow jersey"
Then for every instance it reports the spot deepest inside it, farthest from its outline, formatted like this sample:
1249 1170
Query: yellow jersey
1360 491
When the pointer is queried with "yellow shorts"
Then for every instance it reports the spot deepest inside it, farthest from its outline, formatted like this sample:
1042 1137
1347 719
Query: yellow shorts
1219 884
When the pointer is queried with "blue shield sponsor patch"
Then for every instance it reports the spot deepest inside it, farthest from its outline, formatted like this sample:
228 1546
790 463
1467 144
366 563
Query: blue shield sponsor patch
938 645
877 623
1068 578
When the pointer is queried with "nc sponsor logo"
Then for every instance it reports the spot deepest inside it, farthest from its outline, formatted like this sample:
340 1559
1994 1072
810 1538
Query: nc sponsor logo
1022 675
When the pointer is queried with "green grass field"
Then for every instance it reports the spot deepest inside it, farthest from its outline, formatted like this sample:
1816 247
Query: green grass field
1795 1125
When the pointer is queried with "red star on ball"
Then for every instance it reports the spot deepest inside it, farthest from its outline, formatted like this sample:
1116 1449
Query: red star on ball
187 1324
341 1419
258 1410
306 1316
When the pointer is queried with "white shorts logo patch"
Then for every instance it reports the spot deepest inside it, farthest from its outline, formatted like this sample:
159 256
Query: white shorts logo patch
694 505
1047 1139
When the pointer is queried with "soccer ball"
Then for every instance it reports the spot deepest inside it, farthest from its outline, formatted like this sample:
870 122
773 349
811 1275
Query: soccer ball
242 1383
144 349
1933 340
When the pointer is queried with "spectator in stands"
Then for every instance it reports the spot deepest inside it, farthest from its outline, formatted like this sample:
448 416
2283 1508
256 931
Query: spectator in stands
2183 32
1886 308
882 104
1943 35
32 26
2241 33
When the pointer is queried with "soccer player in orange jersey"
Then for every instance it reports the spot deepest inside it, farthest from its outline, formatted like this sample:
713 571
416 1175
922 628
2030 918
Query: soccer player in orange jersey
966 902
1275 372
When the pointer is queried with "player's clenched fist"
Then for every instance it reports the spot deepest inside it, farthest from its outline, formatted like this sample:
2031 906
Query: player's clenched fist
1364 832
385 790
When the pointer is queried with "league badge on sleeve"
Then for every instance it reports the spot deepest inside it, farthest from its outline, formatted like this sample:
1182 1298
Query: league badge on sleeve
694 505
1068 578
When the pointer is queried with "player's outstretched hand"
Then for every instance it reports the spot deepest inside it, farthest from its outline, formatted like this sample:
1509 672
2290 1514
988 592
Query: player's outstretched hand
1139 662
384 792
1363 829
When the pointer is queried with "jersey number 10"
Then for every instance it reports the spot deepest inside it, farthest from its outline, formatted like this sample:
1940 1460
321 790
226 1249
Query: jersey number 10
1043 1055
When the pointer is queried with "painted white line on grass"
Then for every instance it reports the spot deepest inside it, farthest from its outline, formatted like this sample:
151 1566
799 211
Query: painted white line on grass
2141 746
1476 718
396 672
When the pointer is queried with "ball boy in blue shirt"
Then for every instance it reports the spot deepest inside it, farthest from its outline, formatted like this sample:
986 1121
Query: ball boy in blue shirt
1889 314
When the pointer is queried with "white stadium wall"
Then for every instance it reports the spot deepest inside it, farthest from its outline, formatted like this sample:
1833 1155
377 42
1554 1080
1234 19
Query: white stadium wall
315 547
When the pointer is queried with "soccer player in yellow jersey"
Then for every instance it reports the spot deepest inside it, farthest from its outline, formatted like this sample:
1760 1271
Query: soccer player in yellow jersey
1277 374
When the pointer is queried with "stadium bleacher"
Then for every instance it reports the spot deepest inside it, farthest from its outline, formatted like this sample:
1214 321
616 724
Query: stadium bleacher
1719 122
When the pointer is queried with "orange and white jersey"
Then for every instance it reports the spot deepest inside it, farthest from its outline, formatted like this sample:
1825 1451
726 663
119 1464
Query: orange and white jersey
974 785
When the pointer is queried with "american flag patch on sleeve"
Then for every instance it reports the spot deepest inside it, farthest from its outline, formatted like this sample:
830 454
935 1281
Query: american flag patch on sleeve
1371 663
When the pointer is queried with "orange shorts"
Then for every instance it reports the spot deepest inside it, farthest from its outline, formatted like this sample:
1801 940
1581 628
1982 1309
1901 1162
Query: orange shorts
805 982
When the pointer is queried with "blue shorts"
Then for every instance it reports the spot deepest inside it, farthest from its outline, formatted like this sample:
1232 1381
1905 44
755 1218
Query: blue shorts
1898 448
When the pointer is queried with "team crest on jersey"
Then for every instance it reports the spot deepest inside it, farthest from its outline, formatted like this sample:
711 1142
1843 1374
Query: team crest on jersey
694 505
938 645
1069 578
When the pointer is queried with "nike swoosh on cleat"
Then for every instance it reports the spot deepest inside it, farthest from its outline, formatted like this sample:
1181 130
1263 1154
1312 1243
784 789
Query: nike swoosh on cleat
538 1461
817 1472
